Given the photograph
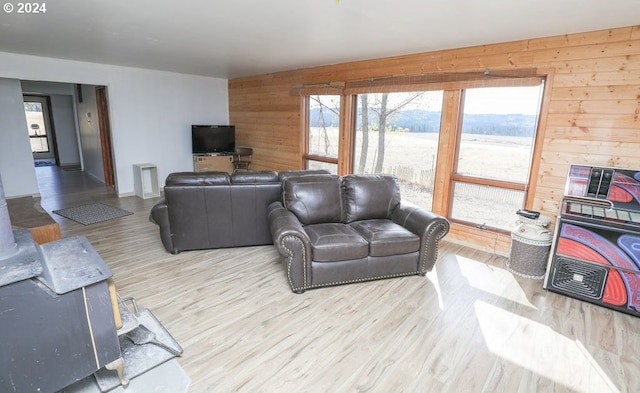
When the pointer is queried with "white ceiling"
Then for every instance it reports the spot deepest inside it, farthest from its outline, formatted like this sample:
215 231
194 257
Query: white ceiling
236 38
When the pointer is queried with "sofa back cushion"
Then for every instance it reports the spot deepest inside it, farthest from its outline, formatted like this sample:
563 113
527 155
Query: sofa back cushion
197 179
314 199
284 175
254 177
369 197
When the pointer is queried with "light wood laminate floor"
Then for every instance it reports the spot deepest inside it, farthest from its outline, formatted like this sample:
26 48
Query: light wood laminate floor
469 326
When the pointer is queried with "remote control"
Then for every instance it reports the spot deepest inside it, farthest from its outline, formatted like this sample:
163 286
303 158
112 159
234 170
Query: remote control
533 215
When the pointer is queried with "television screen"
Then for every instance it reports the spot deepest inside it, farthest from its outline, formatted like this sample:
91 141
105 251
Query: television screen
213 139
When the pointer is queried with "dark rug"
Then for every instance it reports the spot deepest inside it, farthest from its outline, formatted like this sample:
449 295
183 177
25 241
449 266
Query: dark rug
92 213
44 163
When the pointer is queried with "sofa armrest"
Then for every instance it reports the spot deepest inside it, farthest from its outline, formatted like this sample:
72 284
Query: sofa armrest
293 244
160 216
429 226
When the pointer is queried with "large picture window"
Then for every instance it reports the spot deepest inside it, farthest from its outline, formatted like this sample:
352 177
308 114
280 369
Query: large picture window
494 153
477 166
398 133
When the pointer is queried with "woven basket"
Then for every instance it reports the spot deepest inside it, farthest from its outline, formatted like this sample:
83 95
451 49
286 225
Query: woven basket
528 258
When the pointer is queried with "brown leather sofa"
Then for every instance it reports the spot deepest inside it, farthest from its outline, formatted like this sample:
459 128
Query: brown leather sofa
333 230
202 210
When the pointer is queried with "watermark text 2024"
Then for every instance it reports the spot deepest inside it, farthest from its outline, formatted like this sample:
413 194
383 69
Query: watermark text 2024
25 8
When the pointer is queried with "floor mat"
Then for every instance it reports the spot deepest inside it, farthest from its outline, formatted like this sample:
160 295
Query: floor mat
92 213
44 163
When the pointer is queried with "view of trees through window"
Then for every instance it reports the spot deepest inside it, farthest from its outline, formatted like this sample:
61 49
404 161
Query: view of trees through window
398 133
322 138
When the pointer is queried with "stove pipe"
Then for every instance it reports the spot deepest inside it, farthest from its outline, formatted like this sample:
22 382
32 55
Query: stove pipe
8 246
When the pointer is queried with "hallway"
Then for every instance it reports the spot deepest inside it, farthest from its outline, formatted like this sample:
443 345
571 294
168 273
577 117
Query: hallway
61 188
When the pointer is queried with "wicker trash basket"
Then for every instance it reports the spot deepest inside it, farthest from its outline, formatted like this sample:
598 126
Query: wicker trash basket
530 247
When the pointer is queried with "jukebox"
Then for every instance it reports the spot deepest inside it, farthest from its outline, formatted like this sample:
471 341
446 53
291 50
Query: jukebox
595 253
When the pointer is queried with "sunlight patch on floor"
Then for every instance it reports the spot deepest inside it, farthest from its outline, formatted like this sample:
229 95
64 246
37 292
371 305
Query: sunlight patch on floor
538 348
493 280
433 276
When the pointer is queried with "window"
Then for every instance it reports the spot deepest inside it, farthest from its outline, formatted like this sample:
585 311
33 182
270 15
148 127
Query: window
36 126
482 157
398 133
323 131
494 153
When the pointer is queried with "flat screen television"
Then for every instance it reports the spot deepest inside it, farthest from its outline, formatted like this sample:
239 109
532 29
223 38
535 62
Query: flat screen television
208 139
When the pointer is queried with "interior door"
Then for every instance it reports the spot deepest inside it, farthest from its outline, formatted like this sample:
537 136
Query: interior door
105 135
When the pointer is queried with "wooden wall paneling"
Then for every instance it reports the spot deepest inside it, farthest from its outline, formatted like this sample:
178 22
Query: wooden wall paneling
607 148
481 239
265 113
595 106
594 134
592 101
626 62
584 38
608 78
600 120
593 51
628 92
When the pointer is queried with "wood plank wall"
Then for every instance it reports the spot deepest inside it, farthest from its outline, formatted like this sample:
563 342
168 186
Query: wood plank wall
592 116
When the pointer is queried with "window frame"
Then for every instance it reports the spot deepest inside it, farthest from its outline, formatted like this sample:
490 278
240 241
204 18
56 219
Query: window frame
491 182
345 140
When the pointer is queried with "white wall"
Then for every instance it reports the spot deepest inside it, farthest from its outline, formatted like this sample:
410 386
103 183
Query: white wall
151 112
64 123
16 162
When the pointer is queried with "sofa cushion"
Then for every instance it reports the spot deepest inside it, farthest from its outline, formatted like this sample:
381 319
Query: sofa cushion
284 175
336 242
254 177
370 196
197 178
313 199
386 237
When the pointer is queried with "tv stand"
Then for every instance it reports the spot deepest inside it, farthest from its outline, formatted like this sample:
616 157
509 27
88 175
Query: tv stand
222 162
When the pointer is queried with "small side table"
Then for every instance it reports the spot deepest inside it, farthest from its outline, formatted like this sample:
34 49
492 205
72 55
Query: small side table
145 180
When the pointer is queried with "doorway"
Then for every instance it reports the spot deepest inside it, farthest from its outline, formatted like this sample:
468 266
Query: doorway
40 130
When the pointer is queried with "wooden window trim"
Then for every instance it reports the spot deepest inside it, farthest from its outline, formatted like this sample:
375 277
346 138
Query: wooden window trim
313 157
483 181
536 154
479 227
304 140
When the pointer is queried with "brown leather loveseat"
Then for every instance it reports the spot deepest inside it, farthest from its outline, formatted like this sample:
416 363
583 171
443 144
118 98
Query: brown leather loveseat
333 230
